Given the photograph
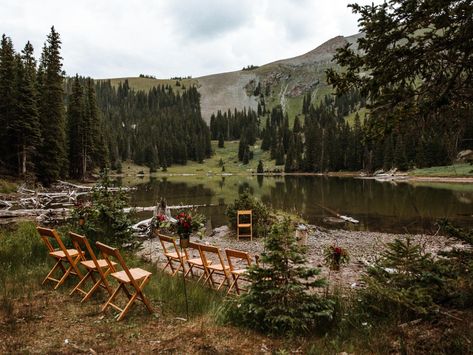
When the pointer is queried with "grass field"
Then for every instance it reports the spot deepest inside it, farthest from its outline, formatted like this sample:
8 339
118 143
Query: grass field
455 170
146 84
228 155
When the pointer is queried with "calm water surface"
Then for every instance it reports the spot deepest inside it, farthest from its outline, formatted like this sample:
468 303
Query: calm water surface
379 206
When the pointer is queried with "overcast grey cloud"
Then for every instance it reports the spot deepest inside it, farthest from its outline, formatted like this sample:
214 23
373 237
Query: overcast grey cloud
118 38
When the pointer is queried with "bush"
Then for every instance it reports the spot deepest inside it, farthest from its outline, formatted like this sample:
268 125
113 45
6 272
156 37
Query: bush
260 212
406 283
281 297
102 218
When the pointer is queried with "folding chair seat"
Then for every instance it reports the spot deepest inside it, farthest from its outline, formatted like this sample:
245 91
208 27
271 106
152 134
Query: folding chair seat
95 267
194 262
66 259
217 268
172 256
135 278
239 272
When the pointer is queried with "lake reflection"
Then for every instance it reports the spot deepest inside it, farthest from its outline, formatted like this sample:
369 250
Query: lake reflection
379 206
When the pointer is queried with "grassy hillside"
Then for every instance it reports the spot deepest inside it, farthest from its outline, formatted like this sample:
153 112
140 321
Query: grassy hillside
288 79
146 84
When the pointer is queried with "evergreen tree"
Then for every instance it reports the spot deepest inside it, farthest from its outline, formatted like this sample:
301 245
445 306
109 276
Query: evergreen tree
221 141
96 145
77 131
25 126
52 158
281 297
260 168
7 102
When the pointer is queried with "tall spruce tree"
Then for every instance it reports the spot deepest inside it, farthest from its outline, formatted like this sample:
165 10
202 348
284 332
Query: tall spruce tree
7 103
78 131
52 159
96 144
25 126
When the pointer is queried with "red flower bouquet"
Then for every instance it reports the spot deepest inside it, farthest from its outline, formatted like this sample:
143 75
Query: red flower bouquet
184 224
335 256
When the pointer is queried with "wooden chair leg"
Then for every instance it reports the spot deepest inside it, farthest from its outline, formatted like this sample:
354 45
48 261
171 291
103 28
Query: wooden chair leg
144 299
84 279
111 298
234 283
48 276
128 306
225 278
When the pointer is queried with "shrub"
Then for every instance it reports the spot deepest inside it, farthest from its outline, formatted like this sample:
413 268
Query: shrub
405 283
260 213
281 297
102 218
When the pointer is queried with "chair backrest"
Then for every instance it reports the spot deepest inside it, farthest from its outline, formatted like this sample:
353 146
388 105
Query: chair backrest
49 235
238 255
244 213
80 242
109 252
209 249
191 247
166 242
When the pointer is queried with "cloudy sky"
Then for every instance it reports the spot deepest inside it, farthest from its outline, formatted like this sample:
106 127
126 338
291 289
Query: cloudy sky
164 38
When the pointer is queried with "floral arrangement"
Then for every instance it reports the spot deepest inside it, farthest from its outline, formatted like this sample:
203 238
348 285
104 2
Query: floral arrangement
335 256
184 224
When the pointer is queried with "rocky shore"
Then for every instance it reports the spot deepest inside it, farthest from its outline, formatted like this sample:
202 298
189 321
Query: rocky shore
364 248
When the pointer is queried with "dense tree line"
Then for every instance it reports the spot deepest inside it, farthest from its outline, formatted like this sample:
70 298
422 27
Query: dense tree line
233 125
32 115
420 90
156 128
56 127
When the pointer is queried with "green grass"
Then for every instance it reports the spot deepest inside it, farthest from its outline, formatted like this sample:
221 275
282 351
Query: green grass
455 170
351 117
24 262
7 186
146 84
210 166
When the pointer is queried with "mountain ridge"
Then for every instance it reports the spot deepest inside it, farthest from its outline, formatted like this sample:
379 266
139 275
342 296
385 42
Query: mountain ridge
284 82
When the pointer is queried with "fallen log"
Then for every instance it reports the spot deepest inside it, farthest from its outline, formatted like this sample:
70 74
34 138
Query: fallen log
63 211
176 207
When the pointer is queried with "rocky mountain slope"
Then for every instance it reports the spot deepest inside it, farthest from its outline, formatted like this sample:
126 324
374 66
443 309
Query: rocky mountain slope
283 82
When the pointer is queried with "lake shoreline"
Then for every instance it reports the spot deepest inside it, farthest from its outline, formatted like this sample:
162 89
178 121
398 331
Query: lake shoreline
364 249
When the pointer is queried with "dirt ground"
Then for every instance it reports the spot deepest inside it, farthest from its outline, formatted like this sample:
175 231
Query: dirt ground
54 322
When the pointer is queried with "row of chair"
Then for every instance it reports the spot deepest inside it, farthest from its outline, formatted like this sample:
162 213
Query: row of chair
209 260
97 270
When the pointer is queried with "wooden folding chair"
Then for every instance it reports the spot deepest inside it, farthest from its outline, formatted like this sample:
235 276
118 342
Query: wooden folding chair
136 278
93 266
194 261
172 256
245 224
234 258
62 256
210 268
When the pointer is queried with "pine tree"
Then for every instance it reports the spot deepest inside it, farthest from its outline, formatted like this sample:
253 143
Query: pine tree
25 128
52 158
221 141
260 168
7 102
96 146
281 297
77 131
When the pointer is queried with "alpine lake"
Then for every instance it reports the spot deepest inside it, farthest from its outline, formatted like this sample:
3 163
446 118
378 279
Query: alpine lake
378 206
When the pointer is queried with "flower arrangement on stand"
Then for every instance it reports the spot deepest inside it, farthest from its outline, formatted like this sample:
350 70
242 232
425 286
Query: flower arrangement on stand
159 223
335 256
184 228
